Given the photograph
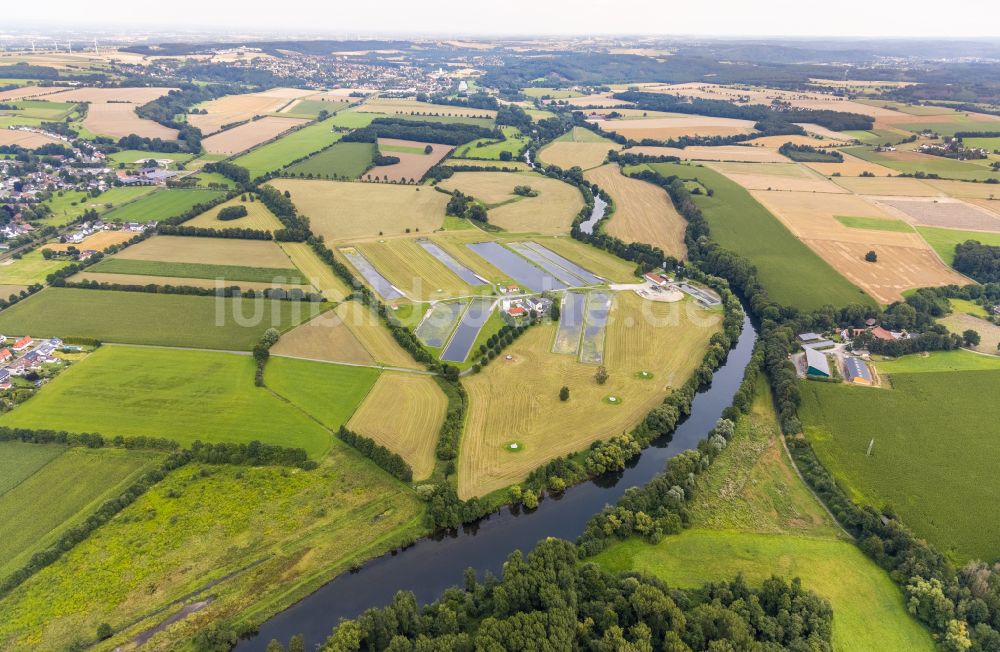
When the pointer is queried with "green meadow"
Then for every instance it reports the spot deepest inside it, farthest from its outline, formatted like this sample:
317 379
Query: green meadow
945 168
489 149
791 272
181 395
874 223
156 319
133 156
343 160
197 270
944 240
71 204
161 205
31 268
310 385
279 153
934 436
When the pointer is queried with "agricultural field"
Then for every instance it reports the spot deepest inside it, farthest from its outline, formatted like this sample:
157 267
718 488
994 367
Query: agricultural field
578 148
414 161
209 251
299 143
243 137
317 272
737 153
905 260
258 217
944 240
97 241
667 339
26 139
161 205
156 319
851 166
374 336
418 110
643 211
676 127
31 268
118 120
752 515
176 394
894 186
328 393
943 212
552 211
237 108
323 338
311 108
912 162
49 489
70 205
776 176
943 491
268 537
989 333
342 161
340 211
224 273
40 109
134 157
411 427
792 273
133 95
414 271
488 149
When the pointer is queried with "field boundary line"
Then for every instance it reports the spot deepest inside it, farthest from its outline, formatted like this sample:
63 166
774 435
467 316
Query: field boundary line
421 372
795 467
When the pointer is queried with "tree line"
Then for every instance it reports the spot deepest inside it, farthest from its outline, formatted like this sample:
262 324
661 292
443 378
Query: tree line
384 458
979 261
457 133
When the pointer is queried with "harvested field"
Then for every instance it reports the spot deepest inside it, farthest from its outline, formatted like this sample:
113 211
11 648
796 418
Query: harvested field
795 139
245 136
258 217
340 211
776 176
944 212
407 266
26 139
965 189
137 95
723 153
7 289
989 332
237 108
851 166
991 205
643 211
901 186
25 92
318 272
374 336
552 211
414 108
578 148
823 132
404 413
211 251
666 128
412 165
912 162
98 241
667 339
596 100
148 279
119 120
324 337
520 166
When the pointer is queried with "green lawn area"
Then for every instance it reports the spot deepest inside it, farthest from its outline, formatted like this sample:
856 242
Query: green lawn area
212 179
56 488
283 151
581 135
343 160
968 307
944 240
351 119
40 109
255 539
937 361
197 270
489 149
990 144
874 223
944 167
30 269
310 109
132 156
752 515
181 395
932 461
402 149
72 204
964 123
159 319
161 205
791 272
310 386
554 93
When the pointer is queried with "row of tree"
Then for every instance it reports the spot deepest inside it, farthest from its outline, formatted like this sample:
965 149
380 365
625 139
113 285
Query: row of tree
384 458
452 133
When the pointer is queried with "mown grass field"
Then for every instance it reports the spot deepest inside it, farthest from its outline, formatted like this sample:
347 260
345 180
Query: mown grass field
342 161
55 489
411 427
161 205
489 149
199 270
912 163
160 319
518 399
279 532
181 395
72 204
258 217
330 393
874 223
276 155
944 240
932 458
132 156
552 211
31 268
753 515
417 273
317 272
791 272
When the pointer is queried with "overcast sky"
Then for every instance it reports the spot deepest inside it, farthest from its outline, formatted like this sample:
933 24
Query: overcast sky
841 18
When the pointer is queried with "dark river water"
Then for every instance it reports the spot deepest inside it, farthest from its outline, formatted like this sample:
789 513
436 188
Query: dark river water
436 563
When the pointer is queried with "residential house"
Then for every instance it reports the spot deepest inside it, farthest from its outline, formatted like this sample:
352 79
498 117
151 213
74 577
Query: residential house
23 343
5 355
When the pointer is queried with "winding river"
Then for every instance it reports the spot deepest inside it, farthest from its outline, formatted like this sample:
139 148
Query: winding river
436 563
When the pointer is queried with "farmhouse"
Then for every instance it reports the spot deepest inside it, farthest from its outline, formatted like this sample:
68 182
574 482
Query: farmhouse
857 372
657 279
817 365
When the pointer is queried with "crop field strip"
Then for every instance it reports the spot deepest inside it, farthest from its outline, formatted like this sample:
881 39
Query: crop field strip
318 272
439 323
241 138
208 251
415 271
410 428
160 205
464 337
342 161
299 143
287 275
376 339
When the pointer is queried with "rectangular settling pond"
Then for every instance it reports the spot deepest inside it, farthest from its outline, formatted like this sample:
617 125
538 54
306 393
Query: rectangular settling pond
460 270
378 282
556 265
473 320
439 323
516 267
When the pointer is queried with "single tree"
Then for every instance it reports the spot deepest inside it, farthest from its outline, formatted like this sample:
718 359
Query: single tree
602 375
104 631
564 393
428 149
871 256
971 337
